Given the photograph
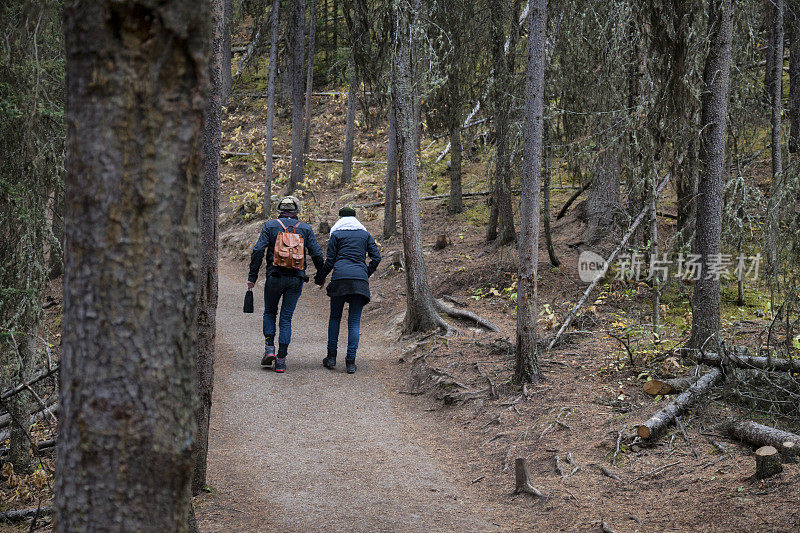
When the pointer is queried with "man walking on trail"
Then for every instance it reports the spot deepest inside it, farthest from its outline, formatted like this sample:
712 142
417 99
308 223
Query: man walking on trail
285 241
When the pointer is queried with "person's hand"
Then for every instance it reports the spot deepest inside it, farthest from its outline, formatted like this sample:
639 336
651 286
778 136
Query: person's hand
250 284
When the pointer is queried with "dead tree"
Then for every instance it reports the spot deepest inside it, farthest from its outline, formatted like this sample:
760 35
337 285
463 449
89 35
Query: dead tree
742 360
273 65
603 204
133 176
298 41
793 23
527 360
664 418
708 238
755 434
546 187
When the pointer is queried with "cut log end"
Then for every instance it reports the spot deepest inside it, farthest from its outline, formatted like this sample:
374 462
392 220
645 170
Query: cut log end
523 479
643 432
768 462
657 388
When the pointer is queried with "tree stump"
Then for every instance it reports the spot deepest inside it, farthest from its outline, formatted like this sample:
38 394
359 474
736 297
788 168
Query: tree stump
441 242
523 479
768 462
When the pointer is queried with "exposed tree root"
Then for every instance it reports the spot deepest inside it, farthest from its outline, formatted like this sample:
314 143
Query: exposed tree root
464 315
523 479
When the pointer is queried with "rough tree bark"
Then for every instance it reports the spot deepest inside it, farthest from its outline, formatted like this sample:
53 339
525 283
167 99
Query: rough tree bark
707 243
349 130
793 22
390 195
273 66
298 40
603 203
421 314
686 192
312 31
455 204
527 360
136 98
207 278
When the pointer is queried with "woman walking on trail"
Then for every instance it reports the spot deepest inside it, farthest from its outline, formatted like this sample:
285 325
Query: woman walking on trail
285 274
349 244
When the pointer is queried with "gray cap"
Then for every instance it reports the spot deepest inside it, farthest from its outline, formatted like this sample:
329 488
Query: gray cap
290 203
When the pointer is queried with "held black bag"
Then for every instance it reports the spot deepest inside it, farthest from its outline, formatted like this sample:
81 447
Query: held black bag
248 301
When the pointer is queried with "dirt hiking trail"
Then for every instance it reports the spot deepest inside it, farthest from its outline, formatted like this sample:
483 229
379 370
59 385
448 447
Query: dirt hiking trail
313 449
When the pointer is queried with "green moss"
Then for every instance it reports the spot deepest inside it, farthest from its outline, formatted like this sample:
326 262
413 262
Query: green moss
477 214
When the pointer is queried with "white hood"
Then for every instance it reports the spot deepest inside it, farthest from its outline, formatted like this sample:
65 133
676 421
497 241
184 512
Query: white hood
347 223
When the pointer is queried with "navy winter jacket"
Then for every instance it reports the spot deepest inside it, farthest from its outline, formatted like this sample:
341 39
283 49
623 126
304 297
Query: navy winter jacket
347 251
266 243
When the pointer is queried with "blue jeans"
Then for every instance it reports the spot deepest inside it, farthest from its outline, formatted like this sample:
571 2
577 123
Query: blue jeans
357 303
289 288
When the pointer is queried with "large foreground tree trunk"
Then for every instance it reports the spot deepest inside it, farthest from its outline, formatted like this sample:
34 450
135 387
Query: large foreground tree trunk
707 243
136 98
421 314
207 281
298 40
776 104
793 22
390 195
273 66
527 361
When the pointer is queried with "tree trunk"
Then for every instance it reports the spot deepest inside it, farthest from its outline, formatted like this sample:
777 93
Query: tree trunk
686 192
56 258
227 82
273 65
390 195
420 311
19 408
297 37
603 204
776 103
349 131
455 205
207 286
707 243
548 232
793 20
501 199
761 435
312 31
137 77
527 360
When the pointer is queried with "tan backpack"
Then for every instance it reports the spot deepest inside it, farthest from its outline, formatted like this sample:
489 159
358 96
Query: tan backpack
289 249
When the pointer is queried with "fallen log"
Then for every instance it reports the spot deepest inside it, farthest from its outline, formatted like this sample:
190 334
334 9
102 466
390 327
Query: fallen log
523 479
5 420
464 315
446 196
657 387
571 199
314 159
788 444
664 418
23 514
608 263
768 462
777 364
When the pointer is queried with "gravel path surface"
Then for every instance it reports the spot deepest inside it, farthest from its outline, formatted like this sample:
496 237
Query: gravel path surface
313 449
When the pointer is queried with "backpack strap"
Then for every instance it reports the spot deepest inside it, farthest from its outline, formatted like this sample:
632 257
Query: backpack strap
284 227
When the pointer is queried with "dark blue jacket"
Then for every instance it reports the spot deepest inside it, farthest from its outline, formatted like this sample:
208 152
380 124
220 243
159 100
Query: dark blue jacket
266 244
347 251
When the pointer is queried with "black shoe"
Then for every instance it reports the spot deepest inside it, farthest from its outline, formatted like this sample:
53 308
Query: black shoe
330 361
269 356
350 364
280 365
